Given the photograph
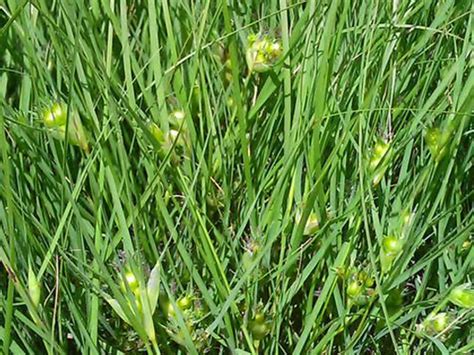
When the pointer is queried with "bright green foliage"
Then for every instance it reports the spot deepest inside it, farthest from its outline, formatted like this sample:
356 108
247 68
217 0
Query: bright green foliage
301 172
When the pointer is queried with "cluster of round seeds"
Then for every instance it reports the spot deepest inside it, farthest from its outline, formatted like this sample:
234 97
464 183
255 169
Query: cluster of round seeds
391 248
55 119
262 52
177 136
441 323
378 162
191 310
359 285
259 326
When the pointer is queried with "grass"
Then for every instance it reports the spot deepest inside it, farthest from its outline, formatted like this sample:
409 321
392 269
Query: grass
259 229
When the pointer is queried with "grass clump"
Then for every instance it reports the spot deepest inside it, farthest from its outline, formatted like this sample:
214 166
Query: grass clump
236 177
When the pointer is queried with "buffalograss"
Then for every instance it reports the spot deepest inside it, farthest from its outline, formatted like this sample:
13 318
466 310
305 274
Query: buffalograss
363 91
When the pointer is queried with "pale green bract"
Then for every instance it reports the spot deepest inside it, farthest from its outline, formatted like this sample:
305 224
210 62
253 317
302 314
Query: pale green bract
145 300
462 296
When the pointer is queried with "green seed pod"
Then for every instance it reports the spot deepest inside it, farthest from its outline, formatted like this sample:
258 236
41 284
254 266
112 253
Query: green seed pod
354 289
218 51
362 300
259 326
436 141
437 323
167 306
394 300
176 118
466 245
358 287
259 317
185 302
262 52
275 50
259 330
252 38
156 132
407 217
77 134
391 248
432 137
34 287
55 116
462 296
366 279
230 102
227 72
440 322
342 272
312 223
228 65
252 248
392 245
167 197
378 162
228 76
380 149
170 310
131 281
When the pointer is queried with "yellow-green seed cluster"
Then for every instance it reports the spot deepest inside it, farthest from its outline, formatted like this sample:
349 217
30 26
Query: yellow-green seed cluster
259 326
379 160
359 285
176 137
262 52
55 118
